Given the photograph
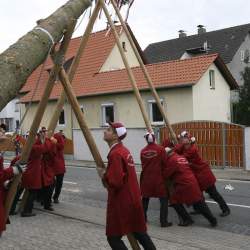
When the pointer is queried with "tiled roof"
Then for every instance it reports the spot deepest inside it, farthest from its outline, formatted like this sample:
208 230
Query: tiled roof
88 81
98 48
225 42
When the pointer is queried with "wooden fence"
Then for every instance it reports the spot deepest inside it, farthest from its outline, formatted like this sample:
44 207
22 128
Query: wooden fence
221 144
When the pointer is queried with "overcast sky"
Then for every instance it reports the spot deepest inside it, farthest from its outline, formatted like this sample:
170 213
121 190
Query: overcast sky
150 20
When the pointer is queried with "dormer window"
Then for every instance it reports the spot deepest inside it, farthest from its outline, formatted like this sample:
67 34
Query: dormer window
124 46
212 79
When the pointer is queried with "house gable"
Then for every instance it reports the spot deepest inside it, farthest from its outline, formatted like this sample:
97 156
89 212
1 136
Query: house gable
240 61
114 60
209 103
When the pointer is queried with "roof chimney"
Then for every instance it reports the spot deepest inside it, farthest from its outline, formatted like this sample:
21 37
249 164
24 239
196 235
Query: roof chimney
201 29
182 33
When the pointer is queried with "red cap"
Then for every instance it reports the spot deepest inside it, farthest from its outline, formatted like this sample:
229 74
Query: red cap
120 129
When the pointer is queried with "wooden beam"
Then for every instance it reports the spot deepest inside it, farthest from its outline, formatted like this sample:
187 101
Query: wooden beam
145 72
73 68
128 68
37 119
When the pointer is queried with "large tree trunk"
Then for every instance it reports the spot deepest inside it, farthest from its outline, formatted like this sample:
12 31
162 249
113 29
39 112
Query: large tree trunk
22 58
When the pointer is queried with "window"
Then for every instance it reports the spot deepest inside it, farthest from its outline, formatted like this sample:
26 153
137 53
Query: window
246 56
82 109
211 79
124 46
107 113
242 55
154 112
61 121
16 107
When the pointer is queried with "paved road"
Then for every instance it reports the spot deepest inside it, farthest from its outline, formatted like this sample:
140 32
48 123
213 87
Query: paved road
82 186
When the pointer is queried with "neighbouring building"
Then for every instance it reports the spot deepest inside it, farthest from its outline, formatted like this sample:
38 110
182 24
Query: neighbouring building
10 115
232 44
191 89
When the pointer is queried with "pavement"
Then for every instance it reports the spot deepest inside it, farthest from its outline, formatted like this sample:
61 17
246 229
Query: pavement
83 227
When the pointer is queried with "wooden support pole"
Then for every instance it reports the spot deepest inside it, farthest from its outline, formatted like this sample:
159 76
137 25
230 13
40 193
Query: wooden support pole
80 118
145 72
37 119
73 68
87 133
129 70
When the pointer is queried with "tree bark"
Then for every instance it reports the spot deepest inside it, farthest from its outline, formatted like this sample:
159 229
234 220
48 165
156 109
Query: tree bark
22 58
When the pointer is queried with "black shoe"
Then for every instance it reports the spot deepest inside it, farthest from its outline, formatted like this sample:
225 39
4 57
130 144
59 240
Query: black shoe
186 223
166 224
56 201
27 214
194 212
49 208
225 213
213 222
13 213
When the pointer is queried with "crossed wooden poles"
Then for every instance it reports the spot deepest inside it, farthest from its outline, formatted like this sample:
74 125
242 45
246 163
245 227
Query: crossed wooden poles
66 80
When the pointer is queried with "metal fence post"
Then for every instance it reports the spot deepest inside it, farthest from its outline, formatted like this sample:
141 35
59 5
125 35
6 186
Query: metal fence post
224 151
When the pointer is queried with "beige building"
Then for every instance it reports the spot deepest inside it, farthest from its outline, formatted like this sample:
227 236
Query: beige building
190 89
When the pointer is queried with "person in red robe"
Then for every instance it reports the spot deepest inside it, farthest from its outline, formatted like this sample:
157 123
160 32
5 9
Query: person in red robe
124 208
5 176
59 165
151 178
48 175
185 188
32 178
202 171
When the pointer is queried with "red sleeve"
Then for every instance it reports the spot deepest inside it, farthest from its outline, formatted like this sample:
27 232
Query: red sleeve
179 148
115 174
6 174
60 143
191 153
168 168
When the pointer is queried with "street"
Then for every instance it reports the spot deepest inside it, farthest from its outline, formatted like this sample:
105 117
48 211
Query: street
82 186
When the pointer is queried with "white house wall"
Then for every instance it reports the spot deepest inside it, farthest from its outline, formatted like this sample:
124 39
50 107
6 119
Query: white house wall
177 103
114 60
211 104
47 117
236 66
134 141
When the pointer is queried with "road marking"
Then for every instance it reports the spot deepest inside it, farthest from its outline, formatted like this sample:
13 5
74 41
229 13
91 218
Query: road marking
242 181
70 182
71 190
230 204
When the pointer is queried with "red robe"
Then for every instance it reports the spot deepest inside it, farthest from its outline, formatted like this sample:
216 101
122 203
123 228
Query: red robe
124 208
32 177
59 163
151 179
185 187
47 163
200 168
5 174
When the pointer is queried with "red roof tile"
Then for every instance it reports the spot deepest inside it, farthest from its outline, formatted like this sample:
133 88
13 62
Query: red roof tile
88 81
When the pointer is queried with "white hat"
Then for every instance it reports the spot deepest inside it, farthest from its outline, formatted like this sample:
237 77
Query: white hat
120 129
168 150
150 137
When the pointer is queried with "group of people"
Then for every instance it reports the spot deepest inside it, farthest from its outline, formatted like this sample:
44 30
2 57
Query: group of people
42 176
175 174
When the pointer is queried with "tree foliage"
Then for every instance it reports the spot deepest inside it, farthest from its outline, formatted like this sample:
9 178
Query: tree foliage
242 108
